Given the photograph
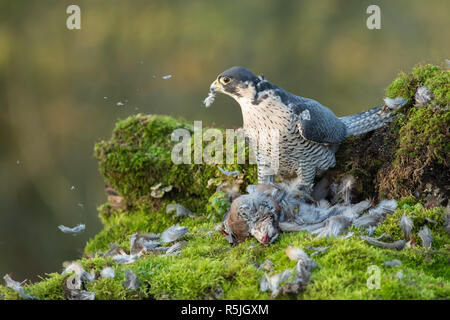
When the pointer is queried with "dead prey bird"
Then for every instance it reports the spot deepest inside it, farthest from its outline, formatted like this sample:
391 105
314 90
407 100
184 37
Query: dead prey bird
270 209
254 215
308 133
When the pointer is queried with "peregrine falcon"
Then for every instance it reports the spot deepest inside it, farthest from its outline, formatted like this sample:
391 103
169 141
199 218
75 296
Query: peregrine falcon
308 133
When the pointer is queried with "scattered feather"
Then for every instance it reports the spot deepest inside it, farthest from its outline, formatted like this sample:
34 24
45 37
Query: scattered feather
228 173
447 222
397 245
423 96
131 281
395 103
139 242
371 230
124 258
319 250
348 235
368 220
426 237
302 275
295 254
80 274
333 227
393 263
267 265
273 283
180 211
75 230
407 225
113 250
107 272
17 287
230 188
81 295
218 293
173 233
384 235
431 221
175 248
385 206
344 192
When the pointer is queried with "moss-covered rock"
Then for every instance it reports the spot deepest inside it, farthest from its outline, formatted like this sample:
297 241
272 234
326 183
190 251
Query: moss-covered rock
138 157
411 156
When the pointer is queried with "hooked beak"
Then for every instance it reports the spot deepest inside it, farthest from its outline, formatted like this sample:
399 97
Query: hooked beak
215 86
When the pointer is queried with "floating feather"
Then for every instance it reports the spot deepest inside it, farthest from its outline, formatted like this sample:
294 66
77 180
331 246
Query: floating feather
210 98
75 230
228 173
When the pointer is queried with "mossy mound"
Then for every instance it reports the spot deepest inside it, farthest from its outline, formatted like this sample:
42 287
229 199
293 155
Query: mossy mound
411 156
138 157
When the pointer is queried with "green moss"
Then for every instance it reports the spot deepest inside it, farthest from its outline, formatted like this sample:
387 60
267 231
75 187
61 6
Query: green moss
138 156
109 289
208 264
411 156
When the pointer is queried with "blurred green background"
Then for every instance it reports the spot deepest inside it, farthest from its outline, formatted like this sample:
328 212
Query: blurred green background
59 88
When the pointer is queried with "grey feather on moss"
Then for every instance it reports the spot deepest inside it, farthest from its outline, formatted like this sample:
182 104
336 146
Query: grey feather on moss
426 237
396 245
406 225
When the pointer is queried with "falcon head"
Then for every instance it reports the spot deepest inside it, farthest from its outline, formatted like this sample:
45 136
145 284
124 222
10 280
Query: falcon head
237 82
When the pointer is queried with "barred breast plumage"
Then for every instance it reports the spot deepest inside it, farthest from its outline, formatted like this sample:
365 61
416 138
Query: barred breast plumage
295 137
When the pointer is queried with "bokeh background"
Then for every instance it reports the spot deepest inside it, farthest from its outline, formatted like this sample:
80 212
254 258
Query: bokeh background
59 88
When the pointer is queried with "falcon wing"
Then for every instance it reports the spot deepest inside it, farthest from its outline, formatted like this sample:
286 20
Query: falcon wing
317 123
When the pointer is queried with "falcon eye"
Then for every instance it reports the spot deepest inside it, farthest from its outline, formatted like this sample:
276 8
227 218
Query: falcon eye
225 80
